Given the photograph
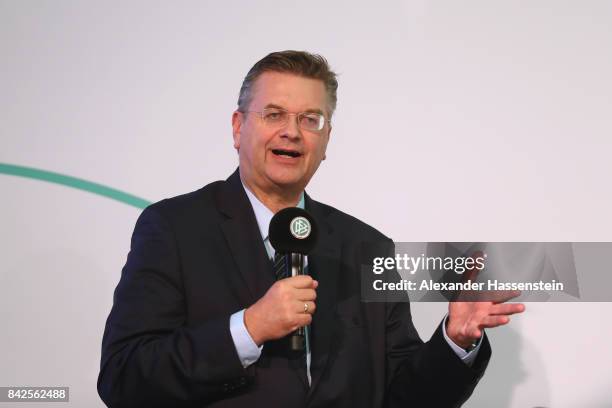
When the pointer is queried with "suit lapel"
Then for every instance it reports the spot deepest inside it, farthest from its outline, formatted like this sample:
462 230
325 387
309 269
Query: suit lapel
242 234
244 239
324 266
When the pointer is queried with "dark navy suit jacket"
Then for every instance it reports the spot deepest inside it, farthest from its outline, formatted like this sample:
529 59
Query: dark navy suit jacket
198 258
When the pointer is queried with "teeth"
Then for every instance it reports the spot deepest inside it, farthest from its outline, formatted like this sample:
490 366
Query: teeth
285 153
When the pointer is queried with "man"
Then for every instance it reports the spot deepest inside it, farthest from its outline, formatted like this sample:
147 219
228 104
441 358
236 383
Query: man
199 318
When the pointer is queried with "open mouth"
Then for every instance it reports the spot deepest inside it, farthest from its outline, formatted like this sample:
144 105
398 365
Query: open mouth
288 153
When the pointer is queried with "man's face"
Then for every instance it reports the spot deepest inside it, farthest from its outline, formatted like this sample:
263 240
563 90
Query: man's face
264 163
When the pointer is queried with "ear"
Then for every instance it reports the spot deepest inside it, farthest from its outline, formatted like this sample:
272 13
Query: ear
237 118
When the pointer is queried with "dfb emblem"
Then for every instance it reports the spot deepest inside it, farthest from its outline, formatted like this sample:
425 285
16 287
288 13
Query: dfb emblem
300 227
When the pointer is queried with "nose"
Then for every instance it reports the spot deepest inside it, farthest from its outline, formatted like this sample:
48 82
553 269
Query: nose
291 129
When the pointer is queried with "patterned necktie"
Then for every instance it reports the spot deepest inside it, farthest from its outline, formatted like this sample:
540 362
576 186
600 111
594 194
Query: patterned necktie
280 266
281 270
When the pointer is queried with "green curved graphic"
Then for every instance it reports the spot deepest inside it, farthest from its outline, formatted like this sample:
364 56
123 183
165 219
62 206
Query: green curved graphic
74 182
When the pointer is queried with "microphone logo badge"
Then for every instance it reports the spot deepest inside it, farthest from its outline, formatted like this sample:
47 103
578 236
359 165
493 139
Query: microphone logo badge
300 227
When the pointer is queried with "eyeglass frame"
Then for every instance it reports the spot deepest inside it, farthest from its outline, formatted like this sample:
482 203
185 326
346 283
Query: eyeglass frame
296 114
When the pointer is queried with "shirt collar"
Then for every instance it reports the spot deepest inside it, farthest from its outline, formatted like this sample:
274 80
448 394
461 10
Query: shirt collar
263 215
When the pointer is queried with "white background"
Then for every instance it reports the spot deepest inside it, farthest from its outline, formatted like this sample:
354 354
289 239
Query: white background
456 121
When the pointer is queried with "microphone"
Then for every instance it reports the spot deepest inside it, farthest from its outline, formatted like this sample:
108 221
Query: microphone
293 232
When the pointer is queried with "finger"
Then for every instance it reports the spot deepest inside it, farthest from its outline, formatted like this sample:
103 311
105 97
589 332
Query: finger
475 333
472 273
469 276
305 294
502 296
306 307
493 321
477 254
507 309
300 281
301 320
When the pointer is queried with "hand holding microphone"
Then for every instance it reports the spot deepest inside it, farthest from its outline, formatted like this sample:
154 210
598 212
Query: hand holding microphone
281 310
289 304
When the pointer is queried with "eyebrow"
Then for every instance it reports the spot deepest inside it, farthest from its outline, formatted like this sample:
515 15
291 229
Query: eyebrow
274 106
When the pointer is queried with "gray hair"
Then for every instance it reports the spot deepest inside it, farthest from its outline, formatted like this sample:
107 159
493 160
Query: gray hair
301 63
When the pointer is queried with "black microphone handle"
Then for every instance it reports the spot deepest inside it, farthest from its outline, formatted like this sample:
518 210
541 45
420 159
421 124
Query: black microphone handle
297 340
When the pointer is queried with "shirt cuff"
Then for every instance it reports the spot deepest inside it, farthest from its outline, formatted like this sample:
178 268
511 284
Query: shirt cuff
247 350
467 357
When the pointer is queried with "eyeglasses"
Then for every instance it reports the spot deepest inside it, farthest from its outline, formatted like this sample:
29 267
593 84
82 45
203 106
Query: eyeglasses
311 121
